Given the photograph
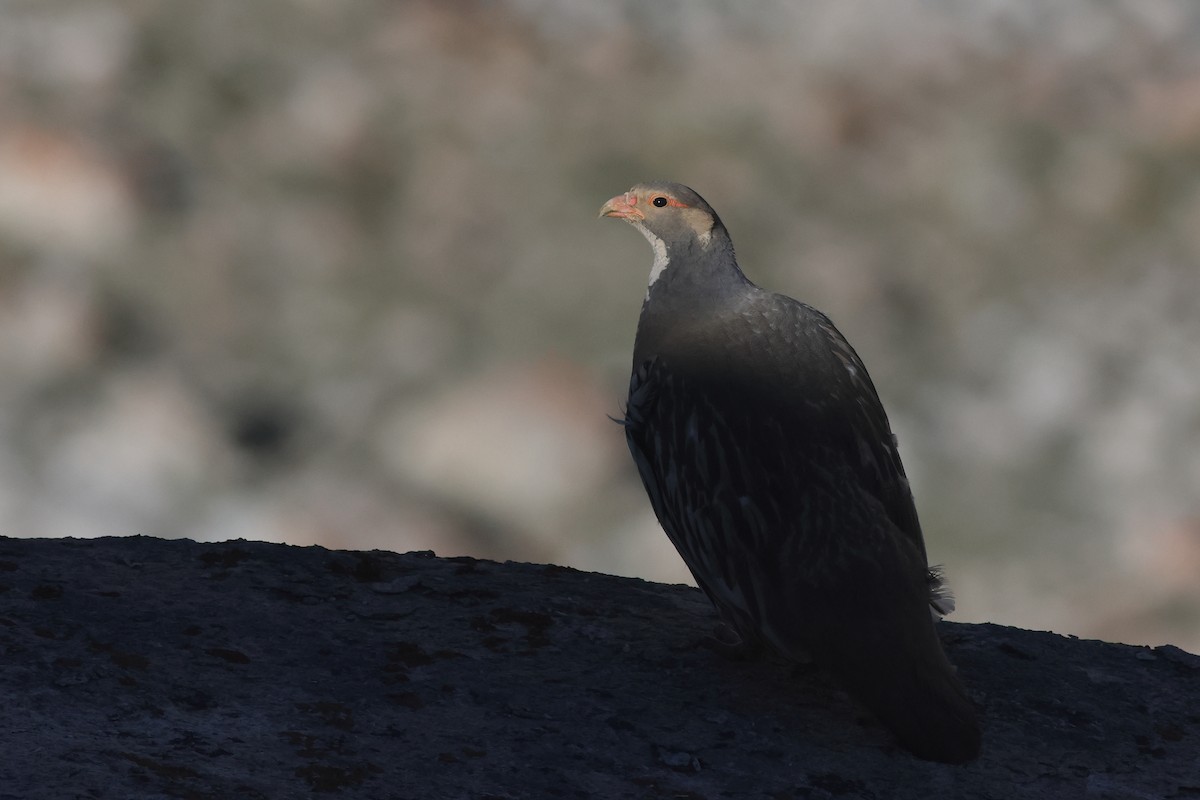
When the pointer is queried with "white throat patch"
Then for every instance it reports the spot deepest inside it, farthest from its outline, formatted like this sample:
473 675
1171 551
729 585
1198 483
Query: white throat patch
660 254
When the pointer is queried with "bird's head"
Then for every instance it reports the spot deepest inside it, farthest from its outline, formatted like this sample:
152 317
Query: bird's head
679 225
668 212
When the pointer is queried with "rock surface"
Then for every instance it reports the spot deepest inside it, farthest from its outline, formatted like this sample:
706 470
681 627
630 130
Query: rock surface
139 667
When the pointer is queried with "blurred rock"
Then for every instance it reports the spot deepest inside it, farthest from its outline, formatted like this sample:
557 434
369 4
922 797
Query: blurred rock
132 451
80 49
530 445
47 329
59 194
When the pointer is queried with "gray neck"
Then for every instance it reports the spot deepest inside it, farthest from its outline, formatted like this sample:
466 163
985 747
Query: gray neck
694 268
690 282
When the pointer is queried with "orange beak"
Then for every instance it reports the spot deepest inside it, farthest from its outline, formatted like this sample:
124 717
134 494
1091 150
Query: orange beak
623 206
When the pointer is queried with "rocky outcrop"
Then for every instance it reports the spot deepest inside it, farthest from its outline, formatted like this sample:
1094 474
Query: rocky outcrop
139 667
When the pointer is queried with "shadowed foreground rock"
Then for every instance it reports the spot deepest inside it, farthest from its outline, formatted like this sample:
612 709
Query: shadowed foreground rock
137 668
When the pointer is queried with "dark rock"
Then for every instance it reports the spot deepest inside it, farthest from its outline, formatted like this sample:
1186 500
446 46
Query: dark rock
242 669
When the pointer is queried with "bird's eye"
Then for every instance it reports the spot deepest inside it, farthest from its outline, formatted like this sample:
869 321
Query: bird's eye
659 201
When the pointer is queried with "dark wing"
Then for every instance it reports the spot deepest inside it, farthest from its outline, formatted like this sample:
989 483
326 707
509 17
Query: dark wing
757 434
766 507
879 468
696 474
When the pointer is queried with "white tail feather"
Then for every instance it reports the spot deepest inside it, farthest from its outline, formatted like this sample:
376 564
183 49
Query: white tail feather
941 600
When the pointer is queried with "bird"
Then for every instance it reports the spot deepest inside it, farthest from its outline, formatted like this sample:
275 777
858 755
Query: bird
771 465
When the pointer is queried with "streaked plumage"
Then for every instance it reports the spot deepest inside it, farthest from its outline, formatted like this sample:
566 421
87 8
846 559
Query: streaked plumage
770 463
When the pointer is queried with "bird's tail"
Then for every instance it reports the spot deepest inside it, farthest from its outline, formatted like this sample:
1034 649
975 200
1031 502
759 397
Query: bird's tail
908 683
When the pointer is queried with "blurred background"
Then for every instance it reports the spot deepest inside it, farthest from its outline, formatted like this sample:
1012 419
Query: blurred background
330 272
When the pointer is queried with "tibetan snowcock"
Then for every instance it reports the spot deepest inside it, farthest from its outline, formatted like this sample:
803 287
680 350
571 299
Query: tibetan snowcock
771 465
